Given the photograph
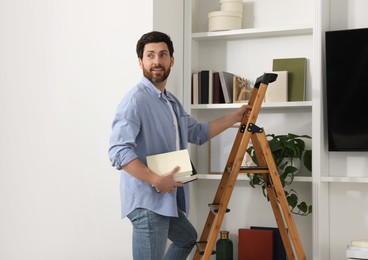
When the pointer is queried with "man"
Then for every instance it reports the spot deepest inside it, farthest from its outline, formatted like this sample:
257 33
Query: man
150 120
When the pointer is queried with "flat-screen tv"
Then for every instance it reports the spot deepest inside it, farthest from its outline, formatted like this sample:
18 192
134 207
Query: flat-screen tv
347 89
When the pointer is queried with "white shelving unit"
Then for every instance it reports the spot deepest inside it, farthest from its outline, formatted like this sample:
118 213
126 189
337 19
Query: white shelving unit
249 53
272 29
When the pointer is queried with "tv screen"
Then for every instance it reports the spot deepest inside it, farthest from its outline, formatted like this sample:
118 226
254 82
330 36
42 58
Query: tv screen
347 89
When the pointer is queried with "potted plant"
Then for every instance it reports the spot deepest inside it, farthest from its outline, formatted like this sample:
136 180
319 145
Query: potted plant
289 153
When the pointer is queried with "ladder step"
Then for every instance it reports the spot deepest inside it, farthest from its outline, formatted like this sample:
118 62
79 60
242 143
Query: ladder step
215 207
253 169
201 246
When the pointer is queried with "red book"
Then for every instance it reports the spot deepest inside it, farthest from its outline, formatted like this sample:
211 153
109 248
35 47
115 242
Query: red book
255 244
218 95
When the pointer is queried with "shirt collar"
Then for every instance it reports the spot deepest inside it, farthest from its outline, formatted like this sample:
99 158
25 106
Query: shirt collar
155 90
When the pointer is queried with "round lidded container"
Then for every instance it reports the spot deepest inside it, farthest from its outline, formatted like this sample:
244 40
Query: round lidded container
231 5
224 20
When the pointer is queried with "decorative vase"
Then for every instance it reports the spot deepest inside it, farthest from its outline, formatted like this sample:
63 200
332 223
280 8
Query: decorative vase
224 247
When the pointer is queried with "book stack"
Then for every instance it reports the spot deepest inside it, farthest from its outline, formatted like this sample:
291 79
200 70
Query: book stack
358 249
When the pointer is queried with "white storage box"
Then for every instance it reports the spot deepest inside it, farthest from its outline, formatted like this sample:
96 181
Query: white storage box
231 5
224 20
358 249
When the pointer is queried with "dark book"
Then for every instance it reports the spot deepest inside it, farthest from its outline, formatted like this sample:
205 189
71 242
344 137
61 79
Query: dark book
255 244
218 95
279 252
204 82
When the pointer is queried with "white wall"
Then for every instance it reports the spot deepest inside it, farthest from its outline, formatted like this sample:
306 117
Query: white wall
168 17
64 65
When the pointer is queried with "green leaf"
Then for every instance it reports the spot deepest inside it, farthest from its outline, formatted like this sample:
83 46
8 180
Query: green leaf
290 170
303 207
292 200
307 159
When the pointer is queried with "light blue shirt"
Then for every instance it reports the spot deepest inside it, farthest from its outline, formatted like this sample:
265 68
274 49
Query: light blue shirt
143 125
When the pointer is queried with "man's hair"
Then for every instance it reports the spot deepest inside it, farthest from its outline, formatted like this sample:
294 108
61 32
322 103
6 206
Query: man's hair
154 37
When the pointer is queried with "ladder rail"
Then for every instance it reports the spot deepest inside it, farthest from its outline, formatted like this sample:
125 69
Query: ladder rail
282 201
225 198
272 195
209 231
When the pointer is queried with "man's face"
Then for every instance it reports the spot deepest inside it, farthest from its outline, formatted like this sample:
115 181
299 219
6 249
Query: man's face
156 62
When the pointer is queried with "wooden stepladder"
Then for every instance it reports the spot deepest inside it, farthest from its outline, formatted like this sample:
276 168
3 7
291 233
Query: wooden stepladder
248 130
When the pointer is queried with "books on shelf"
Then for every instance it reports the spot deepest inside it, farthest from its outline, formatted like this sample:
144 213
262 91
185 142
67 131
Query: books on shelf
164 162
296 68
212 87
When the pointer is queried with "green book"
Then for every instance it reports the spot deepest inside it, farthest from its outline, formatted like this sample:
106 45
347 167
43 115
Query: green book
296 68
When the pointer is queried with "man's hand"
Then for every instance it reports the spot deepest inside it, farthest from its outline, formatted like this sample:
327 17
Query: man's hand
166 182
238 114
223 123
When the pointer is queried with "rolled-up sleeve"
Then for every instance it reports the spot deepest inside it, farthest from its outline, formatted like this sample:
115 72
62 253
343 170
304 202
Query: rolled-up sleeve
198 133
125 128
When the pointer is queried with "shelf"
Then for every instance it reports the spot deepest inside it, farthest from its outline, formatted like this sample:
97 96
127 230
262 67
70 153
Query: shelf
345 179
252 33
301 104
244 177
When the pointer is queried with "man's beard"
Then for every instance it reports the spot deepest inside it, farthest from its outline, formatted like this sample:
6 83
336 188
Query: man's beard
159 78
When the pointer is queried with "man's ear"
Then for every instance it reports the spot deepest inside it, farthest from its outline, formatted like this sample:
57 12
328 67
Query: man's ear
140 63
172 61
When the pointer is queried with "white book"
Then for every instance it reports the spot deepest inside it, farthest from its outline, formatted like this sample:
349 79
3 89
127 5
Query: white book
356 252
210 87
195 88
164 162
277 91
